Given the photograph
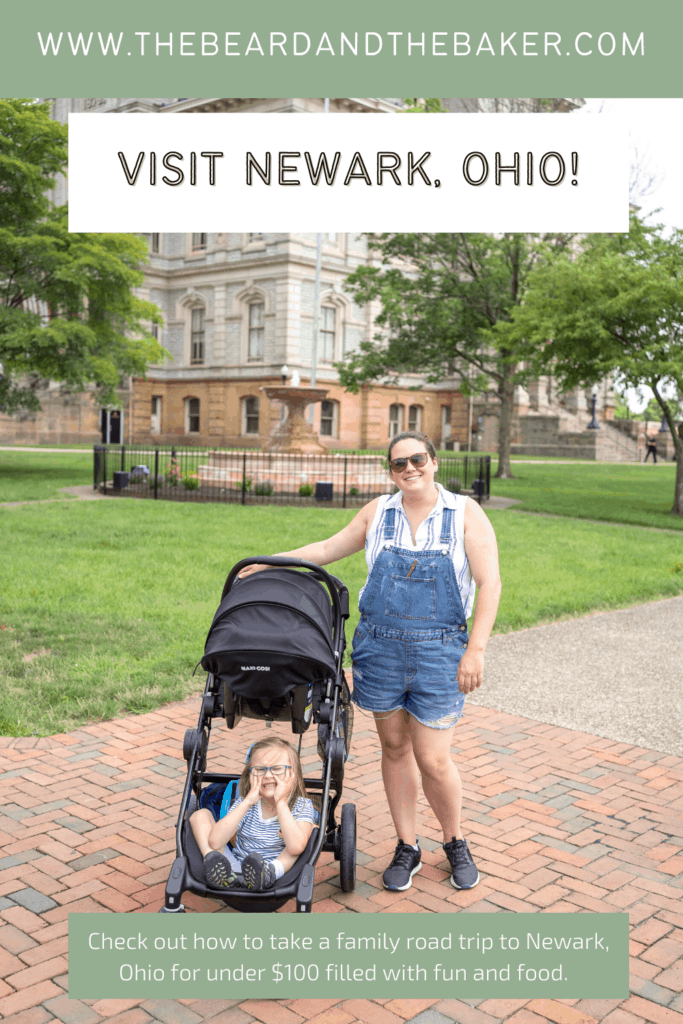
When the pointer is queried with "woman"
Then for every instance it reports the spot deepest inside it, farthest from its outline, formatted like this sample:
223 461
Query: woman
413 662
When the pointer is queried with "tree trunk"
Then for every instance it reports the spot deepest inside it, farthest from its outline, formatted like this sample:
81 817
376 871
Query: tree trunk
507 399
677 438
677 509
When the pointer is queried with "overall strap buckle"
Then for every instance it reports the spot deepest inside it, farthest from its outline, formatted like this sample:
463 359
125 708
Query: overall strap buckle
446 526
389 524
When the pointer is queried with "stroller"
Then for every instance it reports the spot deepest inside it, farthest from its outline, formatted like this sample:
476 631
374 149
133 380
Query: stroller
274 653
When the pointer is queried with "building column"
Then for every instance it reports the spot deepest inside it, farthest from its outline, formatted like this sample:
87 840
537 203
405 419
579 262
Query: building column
218 353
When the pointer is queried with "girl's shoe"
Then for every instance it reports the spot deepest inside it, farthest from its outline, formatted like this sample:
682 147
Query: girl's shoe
218 872
257 873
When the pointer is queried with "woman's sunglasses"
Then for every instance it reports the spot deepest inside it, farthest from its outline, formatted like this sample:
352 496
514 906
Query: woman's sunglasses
418 459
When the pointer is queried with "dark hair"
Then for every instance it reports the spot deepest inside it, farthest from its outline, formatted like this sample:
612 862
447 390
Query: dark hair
274 742
414 435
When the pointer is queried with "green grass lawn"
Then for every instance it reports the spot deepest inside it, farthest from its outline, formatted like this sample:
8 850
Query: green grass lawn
104 607
640 495
30 476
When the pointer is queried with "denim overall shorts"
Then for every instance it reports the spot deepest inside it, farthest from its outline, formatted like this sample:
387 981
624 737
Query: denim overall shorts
412 632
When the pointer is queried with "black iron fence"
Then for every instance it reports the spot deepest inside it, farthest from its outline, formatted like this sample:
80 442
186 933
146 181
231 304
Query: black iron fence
250 476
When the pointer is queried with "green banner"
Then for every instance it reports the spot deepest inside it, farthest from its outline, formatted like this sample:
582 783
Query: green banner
438 48
467 956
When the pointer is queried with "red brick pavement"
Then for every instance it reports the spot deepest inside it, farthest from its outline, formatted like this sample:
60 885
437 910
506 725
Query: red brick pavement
558 821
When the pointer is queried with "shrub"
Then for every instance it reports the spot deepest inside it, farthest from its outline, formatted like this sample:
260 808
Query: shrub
306 490
353 491
263 489
190 481
454 485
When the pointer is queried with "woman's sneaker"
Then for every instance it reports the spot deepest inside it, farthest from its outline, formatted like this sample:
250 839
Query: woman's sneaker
399 875
464 874
257 873
218 872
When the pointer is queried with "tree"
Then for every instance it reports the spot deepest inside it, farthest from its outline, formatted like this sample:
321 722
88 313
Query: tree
67 308
617 307
415 105
441 296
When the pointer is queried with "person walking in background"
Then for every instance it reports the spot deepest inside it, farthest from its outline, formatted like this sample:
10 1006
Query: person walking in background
651 447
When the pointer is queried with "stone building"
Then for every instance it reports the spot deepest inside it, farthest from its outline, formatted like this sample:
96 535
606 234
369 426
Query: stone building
553 423
236 308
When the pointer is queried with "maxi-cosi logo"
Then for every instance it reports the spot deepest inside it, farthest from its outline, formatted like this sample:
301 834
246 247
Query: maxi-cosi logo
255 668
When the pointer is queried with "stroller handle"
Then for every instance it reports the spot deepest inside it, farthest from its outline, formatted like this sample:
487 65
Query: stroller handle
331 582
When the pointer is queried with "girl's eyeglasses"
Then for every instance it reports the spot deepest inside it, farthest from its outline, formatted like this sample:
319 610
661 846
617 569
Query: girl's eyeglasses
278 770
418 459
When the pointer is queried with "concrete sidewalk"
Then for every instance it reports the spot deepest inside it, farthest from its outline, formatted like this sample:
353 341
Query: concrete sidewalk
618 674
558 820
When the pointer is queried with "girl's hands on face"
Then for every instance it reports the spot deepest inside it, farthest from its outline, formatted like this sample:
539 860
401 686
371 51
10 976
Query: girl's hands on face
254 793
284 787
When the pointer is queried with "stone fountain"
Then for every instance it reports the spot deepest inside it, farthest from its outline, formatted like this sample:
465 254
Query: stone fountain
295 434
293 460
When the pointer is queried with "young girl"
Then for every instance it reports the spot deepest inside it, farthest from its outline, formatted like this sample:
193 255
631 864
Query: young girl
269 824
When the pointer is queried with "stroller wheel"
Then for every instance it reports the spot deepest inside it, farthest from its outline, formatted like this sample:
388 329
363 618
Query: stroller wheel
347 860
190 743
166 910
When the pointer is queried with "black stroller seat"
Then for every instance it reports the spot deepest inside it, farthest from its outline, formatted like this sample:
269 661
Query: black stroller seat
274 653
241 899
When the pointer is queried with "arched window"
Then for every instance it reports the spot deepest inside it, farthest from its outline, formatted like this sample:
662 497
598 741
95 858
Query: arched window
327 334
192 418
197 336
155 417
257 332
329 419
199 242
250 415
154 245
395 420
415 417
445 424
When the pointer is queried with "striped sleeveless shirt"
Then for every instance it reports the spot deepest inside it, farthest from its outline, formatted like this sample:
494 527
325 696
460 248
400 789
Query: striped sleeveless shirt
427 537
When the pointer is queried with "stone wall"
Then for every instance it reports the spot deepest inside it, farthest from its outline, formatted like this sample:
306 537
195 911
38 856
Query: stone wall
65 418
362 419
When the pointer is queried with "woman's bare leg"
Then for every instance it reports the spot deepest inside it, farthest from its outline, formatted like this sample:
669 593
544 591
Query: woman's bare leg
399 773
440 778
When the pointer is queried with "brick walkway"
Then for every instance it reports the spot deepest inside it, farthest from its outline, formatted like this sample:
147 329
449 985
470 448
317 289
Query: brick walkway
557 820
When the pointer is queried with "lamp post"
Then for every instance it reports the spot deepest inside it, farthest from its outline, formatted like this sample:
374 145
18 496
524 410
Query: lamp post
593 425
316 301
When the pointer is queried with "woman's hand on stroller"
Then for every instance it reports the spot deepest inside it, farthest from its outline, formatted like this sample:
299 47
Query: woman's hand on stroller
249 570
